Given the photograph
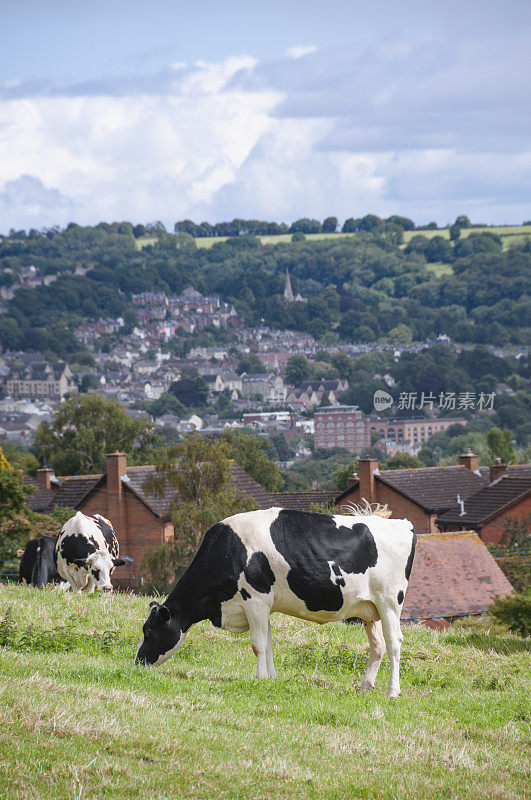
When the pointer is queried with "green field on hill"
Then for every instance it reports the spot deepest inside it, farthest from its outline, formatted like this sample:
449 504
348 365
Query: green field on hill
510 234
80 721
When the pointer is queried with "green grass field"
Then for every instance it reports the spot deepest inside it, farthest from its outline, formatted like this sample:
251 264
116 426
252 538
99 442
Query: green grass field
511 234
80 721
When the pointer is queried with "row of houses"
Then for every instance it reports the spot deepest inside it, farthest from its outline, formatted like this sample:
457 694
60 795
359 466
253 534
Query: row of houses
454 510
30 375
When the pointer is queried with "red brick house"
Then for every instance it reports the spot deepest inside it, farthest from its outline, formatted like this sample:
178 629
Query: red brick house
419 494
485 511
139 519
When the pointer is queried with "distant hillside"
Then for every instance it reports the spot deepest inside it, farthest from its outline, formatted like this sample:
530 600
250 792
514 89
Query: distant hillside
510 234
386 284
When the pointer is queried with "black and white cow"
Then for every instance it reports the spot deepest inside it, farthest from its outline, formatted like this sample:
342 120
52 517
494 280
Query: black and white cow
318 567
86 553
37 566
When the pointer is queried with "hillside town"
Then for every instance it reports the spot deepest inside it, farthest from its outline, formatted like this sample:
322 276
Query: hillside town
135 367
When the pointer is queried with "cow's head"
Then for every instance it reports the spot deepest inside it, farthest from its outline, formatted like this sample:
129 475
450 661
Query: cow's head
161 636
99 567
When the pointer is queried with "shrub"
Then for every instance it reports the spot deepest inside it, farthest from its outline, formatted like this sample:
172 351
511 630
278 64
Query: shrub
515 611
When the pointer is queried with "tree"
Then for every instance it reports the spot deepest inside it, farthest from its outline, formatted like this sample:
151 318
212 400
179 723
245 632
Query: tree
329 225
514 611
86 428
404 222
198 471
14 529
455 232
251 364
463 221
321 370
88 381
250 453
500 445
297 370
400 334
401 461
191 390
10 334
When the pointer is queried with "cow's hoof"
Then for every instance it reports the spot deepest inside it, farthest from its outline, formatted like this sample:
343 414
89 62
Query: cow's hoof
393 693
366 686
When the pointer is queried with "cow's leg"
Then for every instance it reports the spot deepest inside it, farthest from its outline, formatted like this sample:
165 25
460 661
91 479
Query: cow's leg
258 618
376 653
271 671
393 639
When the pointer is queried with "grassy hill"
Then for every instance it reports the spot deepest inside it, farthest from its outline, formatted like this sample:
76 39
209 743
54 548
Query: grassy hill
510 234
79 721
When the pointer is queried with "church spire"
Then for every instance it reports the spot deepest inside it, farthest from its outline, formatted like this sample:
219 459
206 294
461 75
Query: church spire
288 291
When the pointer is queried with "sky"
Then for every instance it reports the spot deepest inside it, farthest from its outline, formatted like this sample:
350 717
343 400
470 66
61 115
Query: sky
171 109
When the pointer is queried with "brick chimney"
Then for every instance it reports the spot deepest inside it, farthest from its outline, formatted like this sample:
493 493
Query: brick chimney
497 470
367 488
44 476
116 467
469 460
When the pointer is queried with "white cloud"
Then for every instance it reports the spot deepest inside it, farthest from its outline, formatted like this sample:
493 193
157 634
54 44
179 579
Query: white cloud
300 50
421 128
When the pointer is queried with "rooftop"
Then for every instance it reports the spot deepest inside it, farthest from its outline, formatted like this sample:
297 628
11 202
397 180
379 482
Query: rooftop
488 502
453 574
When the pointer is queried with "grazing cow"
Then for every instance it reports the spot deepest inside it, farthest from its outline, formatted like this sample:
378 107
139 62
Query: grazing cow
86 553
318 567
37 566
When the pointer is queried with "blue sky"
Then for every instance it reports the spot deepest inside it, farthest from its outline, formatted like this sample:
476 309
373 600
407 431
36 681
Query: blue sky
207 110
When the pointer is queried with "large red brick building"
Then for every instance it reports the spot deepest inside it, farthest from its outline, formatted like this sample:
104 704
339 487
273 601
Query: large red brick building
341 426
419 495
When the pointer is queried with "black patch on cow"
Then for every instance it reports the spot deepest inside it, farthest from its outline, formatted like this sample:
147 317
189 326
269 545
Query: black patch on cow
259 574
400 597
96 573
211 578
409 563
108 534
245 594
340 581
77 546
310 543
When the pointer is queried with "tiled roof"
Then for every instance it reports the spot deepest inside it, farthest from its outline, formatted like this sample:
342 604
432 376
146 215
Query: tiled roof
488 502
134 479
514 471
42 500
302 501
453 574
72 489
65 491
434 488
240 480
243 483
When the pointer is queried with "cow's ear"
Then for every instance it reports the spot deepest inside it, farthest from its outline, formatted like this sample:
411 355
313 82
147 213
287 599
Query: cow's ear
164 614
118 562
80 562
153 604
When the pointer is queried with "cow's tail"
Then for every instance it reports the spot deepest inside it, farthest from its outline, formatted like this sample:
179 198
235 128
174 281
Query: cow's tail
37 578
